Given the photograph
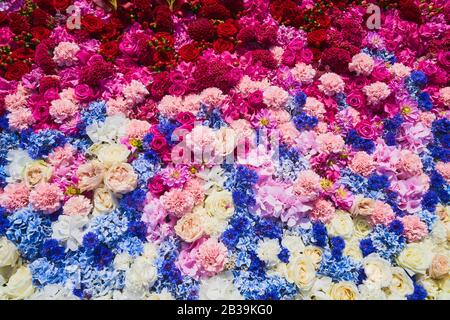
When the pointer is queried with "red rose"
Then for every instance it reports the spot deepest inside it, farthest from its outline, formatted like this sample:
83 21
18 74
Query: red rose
22 54
18 23
317 38
221 45
60 4
16 70
40 33
226 29
189 52
109 49
92 23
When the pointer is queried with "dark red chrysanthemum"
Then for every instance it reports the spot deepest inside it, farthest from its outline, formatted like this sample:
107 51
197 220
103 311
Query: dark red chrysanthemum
336 59
202 29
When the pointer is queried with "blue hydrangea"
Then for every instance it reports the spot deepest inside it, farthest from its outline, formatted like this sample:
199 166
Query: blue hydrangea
109 227
44 272
42 143
339 269
28 230
388 244
145 169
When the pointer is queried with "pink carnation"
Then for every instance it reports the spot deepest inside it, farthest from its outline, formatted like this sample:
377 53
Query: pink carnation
177 202
77 206
330 143
408 165
116 106
62 156
331 83
135 93
14 196
444 169
307 186
46 197
376 92
362 163
322 211
170 106
314 107
382 214
62 109
414 229
213 97
212 256
20 119
275 97
362 64
303 73
194 188
137 129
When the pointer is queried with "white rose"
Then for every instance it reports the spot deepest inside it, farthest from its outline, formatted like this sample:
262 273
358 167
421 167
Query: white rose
368 292
20 284
18 159
415 257
293 243
268 250
301 271
401 284
163 295
341 225
36 172
104 200
439 233
122 261
219 204
320 289
378 271
343 291
8 253
112 153
352 249
219 287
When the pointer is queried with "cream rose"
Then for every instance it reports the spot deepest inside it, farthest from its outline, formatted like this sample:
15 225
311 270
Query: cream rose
343 291
314 253
219 204
439 267
225 141
121 178
415 257
20 284
110 154
352 249
189 227
90 175
341 225
104 200
378 271
8 253
401 284
36 172
301 271
362 227
293 243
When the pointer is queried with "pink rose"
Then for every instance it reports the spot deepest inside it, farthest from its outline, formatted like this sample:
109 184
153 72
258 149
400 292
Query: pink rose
366 130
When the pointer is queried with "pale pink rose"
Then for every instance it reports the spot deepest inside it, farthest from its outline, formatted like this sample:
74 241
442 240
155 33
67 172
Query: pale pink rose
444 169
189 227
439 267
120 178
331 83
362 163
376 92
303 73
382 213
63 109
330 143
323 211
362 206
177 202
275 97
14 196
77 206
307 186
280 116
46 197
362 64
414 228
20 119
137 129
212 257
90 175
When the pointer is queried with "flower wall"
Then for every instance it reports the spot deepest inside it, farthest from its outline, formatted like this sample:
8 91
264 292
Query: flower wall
224 149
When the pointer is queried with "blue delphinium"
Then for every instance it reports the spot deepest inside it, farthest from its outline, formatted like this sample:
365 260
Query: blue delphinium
424 101
145 168
387 243
420 293
290 163
358 143
418 78
28 230
378 182
305 122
